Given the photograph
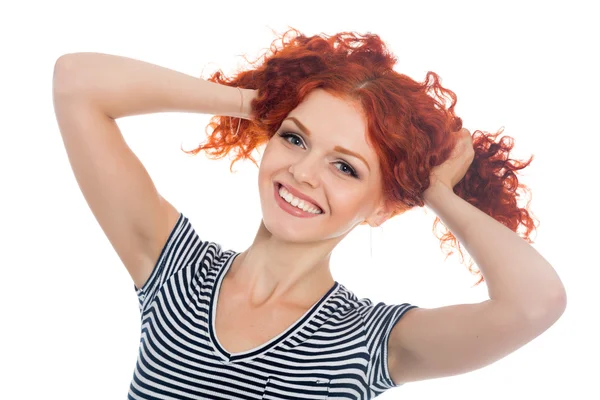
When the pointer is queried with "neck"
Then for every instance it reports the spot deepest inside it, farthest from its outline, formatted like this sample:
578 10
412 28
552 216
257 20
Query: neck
272 271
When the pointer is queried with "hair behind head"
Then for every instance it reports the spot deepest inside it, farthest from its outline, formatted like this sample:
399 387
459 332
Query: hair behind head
410 123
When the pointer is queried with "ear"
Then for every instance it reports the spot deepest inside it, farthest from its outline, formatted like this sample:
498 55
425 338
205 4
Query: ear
379 216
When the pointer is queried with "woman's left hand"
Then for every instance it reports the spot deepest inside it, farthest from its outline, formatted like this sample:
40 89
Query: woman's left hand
454 169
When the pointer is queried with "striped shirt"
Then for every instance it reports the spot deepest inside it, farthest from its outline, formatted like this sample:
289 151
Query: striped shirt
337 349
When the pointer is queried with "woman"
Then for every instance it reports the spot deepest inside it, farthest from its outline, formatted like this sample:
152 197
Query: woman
347 141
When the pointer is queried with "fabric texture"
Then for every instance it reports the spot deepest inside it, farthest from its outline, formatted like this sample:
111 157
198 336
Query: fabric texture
337 349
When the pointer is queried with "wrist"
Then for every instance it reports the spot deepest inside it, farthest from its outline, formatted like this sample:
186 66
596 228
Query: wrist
248 96
435 192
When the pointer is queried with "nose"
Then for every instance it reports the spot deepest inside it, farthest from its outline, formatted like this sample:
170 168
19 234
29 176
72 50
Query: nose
306 170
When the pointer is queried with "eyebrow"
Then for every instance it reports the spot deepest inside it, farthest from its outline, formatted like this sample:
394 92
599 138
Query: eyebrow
336 148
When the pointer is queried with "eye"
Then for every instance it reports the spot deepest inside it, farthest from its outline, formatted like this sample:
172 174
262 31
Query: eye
294 138
348 169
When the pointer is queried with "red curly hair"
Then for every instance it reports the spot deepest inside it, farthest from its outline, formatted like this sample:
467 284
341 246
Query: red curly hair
409 123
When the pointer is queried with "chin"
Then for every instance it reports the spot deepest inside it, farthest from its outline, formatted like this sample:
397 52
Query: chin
283 225
284 230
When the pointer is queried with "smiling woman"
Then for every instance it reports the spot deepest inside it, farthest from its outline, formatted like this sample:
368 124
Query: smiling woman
347 141
404 126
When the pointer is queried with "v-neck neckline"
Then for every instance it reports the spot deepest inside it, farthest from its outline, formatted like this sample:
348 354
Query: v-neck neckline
291 332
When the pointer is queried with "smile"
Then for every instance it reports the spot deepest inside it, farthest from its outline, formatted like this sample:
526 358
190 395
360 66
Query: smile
293 205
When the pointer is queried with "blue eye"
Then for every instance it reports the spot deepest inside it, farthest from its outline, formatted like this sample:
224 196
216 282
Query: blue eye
286 136
297 139
350 170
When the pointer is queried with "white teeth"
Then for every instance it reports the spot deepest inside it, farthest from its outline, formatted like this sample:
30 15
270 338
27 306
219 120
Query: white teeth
296 202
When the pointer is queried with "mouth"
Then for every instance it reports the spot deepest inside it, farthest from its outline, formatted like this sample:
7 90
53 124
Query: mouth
310 207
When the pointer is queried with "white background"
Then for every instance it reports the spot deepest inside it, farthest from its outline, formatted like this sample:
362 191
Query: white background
69 314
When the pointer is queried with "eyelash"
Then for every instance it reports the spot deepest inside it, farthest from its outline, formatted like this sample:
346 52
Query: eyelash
286 135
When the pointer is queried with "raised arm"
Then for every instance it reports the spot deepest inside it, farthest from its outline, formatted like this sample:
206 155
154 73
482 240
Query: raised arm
90 91
526 294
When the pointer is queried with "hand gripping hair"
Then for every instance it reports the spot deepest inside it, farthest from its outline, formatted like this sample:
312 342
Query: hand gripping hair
410 123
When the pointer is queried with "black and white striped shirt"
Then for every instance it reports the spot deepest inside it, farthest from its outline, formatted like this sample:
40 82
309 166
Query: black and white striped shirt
337 349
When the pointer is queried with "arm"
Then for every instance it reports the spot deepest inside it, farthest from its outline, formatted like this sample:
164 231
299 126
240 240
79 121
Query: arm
526 298
92 90
121 86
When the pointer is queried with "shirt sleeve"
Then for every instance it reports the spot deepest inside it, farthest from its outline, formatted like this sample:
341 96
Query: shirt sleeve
379 321
178 256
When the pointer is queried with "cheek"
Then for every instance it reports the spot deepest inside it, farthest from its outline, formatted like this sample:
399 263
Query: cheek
268 162
274 157
272 167
347 203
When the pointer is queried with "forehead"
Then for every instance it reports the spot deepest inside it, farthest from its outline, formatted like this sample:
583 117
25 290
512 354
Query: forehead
323 112
335 122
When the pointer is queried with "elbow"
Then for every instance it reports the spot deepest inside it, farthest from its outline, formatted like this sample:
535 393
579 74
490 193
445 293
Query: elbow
560 302
59 74
550 310
63 74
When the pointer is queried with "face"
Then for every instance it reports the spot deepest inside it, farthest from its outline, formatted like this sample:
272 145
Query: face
321 152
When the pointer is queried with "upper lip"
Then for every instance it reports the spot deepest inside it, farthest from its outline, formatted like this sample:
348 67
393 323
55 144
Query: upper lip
300 195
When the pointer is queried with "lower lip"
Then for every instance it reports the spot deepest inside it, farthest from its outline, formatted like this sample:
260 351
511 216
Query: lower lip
290 209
